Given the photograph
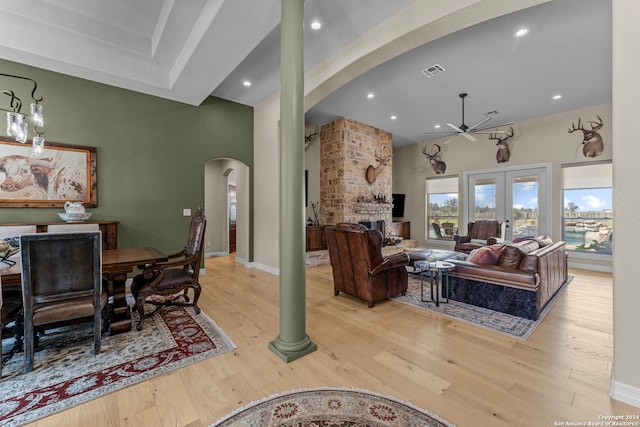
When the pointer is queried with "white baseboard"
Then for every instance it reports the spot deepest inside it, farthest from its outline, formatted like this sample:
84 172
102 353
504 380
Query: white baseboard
625 393
242 261
592 267
274 271
212 254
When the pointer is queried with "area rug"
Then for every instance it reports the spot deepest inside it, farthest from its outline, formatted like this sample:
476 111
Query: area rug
66 373
508 324
335 407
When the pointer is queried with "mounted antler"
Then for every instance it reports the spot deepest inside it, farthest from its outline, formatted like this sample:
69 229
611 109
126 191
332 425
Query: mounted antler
372 172
591 141
503 153
308 139
438 165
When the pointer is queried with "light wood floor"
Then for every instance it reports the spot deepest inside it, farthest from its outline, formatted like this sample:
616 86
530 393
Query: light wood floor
467 375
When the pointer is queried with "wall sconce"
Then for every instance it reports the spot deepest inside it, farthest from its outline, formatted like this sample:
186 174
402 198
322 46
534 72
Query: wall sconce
17 127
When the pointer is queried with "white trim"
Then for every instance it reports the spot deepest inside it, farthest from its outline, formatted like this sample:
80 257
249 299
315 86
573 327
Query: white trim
544 201
589 255
272 270
625 393
242 261
592 267
214 254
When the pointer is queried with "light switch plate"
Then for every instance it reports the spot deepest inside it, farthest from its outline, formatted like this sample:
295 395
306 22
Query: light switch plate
186 212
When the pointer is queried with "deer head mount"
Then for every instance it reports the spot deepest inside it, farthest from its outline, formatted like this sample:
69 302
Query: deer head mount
372 172
592 145
503 154
438 165
308 139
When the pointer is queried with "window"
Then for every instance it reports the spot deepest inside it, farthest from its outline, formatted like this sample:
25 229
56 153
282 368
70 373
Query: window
442 208
587 220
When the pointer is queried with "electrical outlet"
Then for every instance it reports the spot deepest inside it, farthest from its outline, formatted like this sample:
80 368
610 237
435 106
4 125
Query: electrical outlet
186 212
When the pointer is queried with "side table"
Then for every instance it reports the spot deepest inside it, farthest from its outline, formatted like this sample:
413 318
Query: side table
438 276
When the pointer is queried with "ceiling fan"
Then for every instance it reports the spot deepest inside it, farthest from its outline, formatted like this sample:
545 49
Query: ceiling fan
467 131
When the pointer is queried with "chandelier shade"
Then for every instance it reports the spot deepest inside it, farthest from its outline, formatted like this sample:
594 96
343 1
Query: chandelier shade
17 123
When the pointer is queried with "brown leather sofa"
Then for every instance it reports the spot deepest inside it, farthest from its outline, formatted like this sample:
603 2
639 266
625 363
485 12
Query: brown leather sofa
359 269
480 233
525 277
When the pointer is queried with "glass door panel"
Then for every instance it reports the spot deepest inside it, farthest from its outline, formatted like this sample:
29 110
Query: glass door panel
515 197
524 202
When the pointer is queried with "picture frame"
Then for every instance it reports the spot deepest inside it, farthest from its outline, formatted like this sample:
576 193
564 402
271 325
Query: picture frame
61 173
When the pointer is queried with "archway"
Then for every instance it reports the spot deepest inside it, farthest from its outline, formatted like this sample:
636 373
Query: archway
219 174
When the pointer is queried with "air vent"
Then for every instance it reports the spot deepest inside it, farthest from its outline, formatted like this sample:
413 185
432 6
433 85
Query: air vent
433 70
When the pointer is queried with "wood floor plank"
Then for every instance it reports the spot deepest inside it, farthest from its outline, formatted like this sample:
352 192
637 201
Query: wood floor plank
468 375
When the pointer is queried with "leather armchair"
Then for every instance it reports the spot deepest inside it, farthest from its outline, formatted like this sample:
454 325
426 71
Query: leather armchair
359 269
479 233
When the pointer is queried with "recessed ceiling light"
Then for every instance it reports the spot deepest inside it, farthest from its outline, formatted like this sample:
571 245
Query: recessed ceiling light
558 96
437 126
246 83
370 95
394 117
522 32
316 25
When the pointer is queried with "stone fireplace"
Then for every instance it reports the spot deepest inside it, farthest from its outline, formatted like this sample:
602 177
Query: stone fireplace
347 148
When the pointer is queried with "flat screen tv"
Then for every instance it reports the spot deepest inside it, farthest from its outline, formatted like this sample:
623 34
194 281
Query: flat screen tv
398 205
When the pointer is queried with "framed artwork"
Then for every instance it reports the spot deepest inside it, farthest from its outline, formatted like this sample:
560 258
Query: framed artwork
61 173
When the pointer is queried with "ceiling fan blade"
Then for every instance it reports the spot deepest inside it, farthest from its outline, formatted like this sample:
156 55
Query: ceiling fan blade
486 132
451 139
472 127
456 128
494 126
469 136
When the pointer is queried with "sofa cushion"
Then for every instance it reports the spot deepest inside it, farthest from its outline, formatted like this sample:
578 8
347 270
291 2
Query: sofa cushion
511 257
485 254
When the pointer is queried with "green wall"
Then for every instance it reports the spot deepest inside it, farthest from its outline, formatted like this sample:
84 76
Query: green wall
151 152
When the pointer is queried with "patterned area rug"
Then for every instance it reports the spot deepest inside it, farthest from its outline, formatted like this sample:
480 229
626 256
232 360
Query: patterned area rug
513 326
66 373
335 407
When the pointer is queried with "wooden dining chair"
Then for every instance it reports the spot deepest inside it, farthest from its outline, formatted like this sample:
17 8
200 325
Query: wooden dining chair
167 283
61 283
10 309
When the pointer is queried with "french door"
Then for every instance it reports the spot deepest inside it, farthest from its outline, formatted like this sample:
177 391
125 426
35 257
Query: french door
518 197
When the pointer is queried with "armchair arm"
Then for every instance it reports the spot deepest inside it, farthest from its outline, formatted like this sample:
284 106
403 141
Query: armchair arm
392 261
157 268
461 239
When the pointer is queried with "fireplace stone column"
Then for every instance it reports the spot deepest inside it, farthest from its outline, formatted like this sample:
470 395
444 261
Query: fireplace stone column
347 149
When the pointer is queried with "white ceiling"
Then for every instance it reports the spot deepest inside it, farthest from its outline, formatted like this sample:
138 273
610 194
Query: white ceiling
185 50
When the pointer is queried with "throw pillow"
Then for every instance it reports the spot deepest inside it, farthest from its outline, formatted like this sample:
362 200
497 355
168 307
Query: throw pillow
510 257
485 255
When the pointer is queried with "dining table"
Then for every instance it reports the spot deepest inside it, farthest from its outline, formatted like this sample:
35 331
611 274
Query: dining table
117 264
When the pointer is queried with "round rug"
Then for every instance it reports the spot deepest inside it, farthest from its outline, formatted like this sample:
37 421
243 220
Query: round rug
336 407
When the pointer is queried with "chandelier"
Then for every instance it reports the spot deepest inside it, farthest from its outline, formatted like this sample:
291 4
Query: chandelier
17 125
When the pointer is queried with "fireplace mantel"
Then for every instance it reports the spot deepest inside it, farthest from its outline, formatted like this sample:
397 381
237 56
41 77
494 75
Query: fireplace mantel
373 208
